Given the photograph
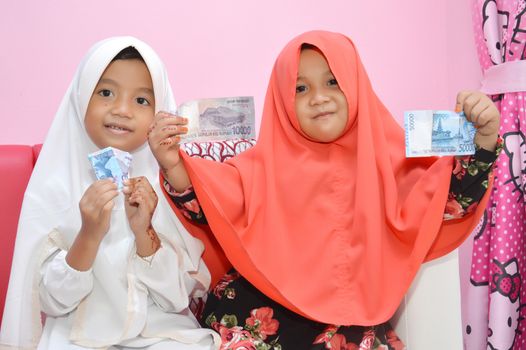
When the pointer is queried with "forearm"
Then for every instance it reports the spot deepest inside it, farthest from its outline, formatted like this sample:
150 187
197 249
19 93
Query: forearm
83 251
469 181
177 177
147 242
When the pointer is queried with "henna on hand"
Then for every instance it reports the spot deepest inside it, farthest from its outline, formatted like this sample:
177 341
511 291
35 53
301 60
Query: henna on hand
156 242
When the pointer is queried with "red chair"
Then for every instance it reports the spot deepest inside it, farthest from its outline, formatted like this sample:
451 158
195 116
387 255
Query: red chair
16 165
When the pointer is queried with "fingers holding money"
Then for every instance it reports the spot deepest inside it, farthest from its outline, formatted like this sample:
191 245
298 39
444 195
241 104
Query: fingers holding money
139 191
95 207
478 109
466 102
483 113
476 114
164 136
141 201
166 129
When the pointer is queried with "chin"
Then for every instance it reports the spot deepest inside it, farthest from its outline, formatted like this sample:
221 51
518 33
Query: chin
323 138
329 136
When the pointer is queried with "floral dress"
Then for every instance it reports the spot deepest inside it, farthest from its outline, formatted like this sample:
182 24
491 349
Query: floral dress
247 319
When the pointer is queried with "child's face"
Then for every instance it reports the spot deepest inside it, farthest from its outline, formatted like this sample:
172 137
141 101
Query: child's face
321 107
122 106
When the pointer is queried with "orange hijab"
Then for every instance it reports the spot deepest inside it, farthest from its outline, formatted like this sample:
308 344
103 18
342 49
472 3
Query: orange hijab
333 231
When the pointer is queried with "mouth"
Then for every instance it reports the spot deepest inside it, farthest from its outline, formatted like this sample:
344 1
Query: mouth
117 128
323 115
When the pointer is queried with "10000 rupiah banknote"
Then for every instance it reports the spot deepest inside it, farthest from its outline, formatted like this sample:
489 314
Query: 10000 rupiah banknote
438 133
215 119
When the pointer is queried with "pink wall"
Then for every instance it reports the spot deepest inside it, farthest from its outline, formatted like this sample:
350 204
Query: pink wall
418 53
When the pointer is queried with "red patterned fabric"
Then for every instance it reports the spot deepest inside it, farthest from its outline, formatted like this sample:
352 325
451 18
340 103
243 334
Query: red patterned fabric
218 151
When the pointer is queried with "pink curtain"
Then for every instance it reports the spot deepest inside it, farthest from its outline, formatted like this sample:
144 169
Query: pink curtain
494 294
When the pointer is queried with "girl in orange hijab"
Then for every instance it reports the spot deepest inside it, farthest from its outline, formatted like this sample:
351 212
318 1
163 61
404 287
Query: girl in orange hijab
324 220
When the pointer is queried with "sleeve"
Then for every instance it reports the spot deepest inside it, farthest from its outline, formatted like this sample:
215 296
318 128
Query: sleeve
187 203
168 286
61 287
469 181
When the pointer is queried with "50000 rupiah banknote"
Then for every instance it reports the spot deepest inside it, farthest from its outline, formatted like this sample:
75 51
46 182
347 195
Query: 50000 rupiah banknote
215 119
438 133
111 163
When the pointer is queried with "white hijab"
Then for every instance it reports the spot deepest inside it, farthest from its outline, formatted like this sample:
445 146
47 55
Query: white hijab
60 178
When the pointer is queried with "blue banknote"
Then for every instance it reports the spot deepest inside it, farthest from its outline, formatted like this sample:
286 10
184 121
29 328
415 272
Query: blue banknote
438 133
111 163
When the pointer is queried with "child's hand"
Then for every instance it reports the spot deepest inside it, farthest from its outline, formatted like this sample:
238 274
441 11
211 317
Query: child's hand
95 209
140 203
482 112
164 139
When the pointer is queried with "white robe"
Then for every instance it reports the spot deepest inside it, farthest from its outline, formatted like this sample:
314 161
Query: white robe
122 301
158 309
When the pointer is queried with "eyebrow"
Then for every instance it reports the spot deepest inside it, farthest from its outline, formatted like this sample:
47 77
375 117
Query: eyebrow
113 82
327 72
108 81
147 90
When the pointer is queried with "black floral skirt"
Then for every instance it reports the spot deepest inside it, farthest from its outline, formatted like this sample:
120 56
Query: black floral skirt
247 319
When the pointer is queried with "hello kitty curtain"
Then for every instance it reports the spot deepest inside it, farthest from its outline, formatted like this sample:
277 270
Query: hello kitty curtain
494 291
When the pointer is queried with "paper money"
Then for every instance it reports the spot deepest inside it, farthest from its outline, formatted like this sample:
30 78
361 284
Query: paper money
438 133
111 163
217 119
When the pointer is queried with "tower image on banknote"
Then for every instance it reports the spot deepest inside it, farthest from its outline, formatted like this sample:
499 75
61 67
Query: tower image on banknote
446 131
223 116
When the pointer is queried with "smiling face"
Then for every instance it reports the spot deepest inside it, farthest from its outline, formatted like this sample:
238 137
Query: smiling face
321 107
122 106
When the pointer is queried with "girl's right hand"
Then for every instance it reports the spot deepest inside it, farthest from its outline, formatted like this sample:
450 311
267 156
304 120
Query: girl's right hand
164 137
95 209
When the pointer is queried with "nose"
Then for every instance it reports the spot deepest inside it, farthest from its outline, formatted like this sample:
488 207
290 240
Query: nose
122 107
319 97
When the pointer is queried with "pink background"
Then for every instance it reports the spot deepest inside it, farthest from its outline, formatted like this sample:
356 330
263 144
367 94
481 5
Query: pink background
418 53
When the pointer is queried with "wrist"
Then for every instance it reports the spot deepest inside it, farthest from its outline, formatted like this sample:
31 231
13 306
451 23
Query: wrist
177 177
167 170
90 237
488 142
139 231
83 251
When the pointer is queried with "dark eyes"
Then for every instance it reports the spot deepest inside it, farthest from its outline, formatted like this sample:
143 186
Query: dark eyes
105 93
300 88
143 101
303 88
108 93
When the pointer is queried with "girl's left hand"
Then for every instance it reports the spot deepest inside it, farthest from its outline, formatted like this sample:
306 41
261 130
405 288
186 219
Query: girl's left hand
482 112
140 203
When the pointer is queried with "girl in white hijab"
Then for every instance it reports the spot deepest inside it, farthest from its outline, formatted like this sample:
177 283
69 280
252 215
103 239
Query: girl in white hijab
113 270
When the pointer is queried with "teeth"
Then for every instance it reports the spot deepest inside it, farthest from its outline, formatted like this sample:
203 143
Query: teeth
116 127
